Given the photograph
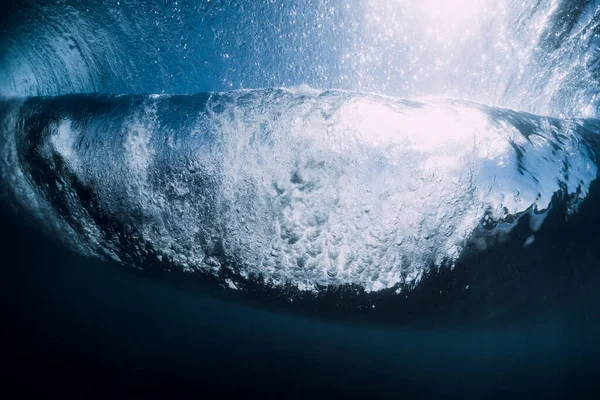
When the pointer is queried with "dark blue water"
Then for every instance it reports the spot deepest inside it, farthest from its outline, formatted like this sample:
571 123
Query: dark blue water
72 325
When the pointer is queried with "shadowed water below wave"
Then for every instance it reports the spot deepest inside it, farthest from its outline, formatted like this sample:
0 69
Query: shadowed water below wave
86 327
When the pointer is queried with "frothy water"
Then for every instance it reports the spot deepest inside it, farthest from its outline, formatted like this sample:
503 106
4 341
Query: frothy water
293 187
321 185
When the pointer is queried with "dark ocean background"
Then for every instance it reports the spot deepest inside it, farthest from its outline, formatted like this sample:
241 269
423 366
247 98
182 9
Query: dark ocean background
508 321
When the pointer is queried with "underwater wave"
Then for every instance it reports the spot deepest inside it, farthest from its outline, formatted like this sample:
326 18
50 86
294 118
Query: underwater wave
291 187
536 56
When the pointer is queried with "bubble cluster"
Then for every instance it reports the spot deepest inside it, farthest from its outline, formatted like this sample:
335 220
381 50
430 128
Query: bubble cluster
292 187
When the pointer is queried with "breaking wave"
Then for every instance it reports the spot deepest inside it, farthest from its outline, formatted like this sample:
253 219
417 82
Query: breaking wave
292 187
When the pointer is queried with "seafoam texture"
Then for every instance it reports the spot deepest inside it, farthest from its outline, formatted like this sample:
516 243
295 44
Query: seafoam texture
295 187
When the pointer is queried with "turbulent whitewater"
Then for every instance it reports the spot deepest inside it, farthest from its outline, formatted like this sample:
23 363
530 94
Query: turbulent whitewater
295 187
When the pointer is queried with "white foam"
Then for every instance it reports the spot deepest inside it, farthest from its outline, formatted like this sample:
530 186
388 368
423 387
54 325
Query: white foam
364 189
322 189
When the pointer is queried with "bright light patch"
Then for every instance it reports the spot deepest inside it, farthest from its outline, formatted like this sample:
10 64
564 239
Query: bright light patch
436 21
449 12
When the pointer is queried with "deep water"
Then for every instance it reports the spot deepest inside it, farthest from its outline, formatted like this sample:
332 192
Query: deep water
72 325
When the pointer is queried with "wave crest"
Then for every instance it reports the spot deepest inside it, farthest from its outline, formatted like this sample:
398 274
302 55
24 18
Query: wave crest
293 187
